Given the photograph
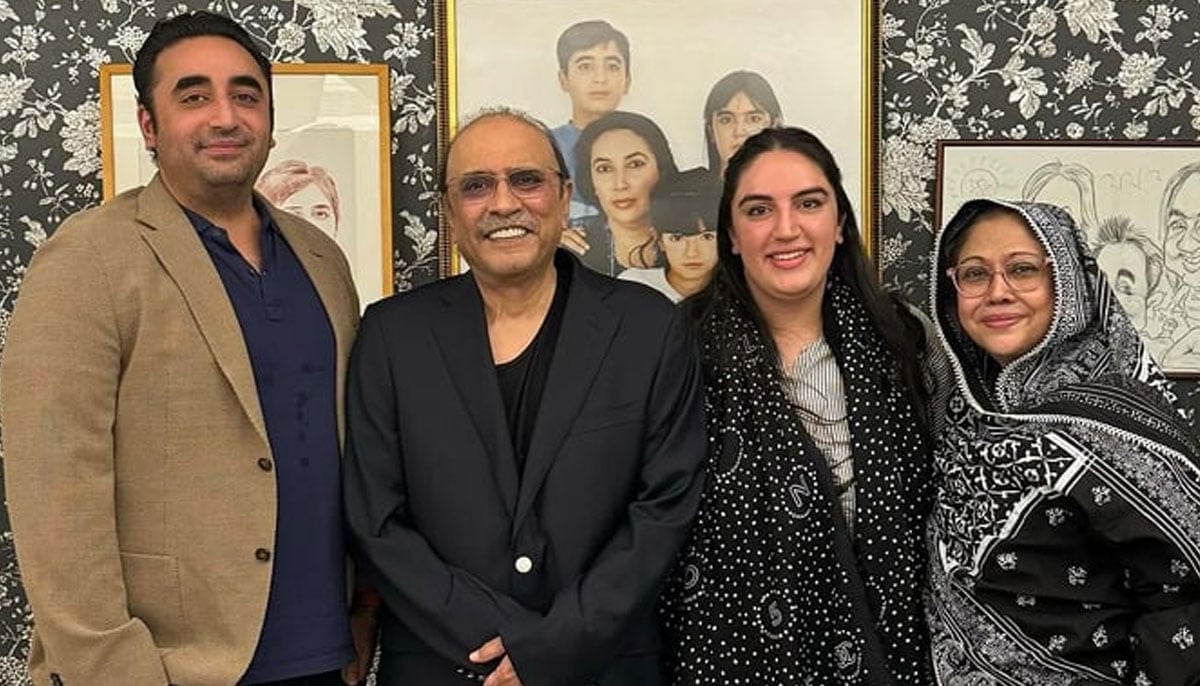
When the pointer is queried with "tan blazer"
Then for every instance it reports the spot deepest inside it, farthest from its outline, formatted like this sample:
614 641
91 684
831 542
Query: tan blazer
134 448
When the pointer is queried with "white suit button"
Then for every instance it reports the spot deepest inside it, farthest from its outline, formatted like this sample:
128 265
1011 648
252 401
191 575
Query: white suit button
523 564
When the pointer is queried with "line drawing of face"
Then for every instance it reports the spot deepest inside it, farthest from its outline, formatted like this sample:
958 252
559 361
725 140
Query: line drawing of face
1004 322
731 125
595 79
785 227
306 190
624 173
311 204
211 125
1127 269
691 256
504 238
1181 242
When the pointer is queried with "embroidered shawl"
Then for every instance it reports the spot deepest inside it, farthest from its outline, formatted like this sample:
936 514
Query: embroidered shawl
1081 431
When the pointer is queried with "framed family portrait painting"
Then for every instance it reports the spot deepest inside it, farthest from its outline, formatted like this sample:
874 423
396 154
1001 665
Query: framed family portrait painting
330 163
1137 202
648 100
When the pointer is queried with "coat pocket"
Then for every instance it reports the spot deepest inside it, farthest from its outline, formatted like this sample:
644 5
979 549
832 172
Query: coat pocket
153 594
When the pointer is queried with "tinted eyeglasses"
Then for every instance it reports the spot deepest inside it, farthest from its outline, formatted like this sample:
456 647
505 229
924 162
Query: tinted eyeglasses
1022 272
527 183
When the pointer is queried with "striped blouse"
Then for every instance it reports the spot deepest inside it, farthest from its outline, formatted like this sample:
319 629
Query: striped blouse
813 384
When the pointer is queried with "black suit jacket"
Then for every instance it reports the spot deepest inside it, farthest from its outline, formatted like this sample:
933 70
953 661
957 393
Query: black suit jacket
564 561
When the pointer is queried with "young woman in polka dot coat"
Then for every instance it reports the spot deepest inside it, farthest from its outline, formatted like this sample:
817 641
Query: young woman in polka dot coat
806 562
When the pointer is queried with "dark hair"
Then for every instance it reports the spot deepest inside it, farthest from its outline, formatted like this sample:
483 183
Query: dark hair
681 209
515 115
643 127
586 35
755 87
167 32
902 332
678 211
952 245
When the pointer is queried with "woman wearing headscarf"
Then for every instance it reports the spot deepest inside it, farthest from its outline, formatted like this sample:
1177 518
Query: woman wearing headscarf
806 562
1065 537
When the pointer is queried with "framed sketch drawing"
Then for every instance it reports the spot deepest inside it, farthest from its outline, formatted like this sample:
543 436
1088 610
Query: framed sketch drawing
698 71
1138 204
330 163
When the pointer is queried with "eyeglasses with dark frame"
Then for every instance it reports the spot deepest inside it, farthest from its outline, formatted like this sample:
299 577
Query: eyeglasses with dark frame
1022 272
526 183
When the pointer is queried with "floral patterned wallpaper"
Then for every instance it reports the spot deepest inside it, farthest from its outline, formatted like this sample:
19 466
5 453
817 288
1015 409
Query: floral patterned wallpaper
1020 70
970 69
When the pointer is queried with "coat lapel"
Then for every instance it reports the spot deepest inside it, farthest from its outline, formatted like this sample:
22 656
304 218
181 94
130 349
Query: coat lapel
178 247
587 330
461 334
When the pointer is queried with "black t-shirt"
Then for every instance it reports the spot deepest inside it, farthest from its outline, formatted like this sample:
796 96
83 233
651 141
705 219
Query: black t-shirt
523 379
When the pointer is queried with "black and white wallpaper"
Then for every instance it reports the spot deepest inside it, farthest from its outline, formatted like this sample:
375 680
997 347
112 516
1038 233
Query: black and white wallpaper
950 69
1020 70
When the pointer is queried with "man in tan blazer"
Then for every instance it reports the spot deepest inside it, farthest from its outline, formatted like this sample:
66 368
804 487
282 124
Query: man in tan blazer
171 395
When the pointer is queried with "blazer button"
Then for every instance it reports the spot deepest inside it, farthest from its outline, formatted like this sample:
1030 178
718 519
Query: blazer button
262 555
523 564
264 464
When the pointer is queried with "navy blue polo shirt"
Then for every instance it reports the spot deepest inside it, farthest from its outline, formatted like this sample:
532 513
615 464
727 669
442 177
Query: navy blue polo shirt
293 355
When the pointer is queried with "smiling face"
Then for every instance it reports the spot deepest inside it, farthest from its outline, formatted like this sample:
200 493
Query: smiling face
595 79
1182 243
503 237
1005 322
211 125
785 227
624 173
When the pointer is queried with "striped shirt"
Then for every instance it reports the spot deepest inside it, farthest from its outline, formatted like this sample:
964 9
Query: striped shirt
813 384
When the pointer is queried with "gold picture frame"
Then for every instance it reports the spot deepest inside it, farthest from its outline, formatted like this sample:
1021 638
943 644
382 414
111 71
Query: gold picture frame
678 50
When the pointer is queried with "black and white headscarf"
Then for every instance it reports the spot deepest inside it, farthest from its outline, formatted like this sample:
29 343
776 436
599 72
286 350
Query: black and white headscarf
1085 418
771 588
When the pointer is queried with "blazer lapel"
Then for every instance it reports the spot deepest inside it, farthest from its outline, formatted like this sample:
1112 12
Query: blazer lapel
329 283
461 334
587 331
178 247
